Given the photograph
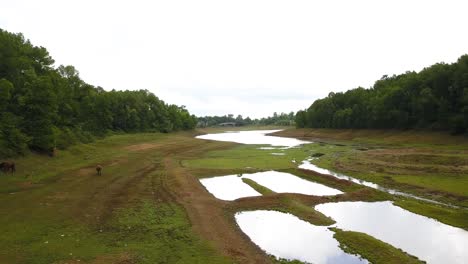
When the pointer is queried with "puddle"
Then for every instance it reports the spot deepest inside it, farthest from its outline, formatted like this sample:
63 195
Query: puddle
228 188
418 235
232 187
306 165
286 236
282 182
277 154
257 137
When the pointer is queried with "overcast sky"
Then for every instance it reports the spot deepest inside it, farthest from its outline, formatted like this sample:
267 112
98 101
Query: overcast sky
241 57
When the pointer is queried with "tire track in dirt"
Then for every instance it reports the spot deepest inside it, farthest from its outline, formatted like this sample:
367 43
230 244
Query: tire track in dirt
209 219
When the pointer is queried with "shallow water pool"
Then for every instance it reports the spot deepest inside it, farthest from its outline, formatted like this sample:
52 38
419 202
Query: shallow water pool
418 235
286 236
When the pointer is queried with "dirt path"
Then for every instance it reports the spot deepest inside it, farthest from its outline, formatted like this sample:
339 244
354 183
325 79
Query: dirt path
209 219
150 172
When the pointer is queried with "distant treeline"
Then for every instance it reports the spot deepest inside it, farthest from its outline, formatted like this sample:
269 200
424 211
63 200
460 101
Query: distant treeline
435 98
42 107
276 119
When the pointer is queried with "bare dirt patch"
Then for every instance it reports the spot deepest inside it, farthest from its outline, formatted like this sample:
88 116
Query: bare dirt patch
208 218
143 146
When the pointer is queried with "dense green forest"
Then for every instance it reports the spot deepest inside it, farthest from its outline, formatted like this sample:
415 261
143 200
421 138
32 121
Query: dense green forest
43 108
436 98
276 119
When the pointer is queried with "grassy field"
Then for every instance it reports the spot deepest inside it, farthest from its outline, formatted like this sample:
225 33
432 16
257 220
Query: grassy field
149 207
433 165
372 249
57 210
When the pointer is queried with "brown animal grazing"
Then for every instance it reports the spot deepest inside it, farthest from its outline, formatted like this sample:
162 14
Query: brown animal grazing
98 169
7 166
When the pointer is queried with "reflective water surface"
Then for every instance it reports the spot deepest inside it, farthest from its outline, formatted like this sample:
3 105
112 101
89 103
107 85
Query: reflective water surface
257 137
286 236
232 187
306 165
228 187
420 236
282 182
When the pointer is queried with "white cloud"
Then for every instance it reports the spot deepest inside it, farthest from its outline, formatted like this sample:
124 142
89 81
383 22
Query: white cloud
241 57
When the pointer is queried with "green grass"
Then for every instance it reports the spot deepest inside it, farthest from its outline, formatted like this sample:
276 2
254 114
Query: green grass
305 212
35 168
284 261
247 156
259 188
56 210
343 186
456 184
424 163
51 207
436 179
372 249
160 233
151 233
292 206
450 216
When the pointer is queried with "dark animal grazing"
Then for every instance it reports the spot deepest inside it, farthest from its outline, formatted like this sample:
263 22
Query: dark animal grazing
52 152
98 169
7 166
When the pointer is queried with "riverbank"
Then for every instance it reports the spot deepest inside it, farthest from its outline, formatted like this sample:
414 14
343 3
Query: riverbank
429 164
149 206
145 208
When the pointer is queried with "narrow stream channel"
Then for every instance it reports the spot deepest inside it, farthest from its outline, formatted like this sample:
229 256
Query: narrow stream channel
307 165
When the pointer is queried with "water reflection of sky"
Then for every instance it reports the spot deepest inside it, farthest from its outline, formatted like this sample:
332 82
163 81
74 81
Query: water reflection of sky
420 236
282 182
256 137
232 187
307 165
228 187
286 236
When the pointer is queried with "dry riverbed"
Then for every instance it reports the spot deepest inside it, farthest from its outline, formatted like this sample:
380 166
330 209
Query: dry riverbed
150 207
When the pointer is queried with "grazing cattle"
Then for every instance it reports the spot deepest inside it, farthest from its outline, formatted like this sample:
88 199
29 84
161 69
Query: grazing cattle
98 169
52 152
7 166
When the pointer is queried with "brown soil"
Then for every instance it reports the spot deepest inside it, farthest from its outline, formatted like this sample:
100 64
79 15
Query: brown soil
93 199
209 219
143 146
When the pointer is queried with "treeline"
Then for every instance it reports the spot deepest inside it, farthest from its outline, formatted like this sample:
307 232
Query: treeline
43 108
435 98
276 119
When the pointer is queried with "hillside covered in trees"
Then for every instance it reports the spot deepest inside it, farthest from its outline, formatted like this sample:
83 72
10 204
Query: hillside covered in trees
42 107
276 119
435 98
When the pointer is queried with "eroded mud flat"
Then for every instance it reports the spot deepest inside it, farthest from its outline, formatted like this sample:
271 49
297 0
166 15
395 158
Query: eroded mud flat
232 187
418 235
286 236
255 137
